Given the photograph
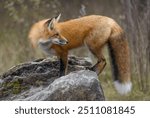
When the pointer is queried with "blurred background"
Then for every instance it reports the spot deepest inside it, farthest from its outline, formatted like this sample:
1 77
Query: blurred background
17 16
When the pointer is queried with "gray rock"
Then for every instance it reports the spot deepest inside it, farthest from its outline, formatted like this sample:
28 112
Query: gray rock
39 80
80 85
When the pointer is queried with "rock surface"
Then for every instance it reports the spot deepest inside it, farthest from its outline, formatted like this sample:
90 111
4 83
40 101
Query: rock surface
38 80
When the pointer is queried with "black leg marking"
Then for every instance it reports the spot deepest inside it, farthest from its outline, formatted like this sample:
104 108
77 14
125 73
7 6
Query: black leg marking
62 68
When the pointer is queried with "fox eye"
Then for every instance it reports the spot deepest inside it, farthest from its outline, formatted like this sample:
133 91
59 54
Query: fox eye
56 34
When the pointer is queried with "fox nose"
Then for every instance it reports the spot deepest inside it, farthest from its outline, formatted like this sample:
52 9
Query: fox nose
67 42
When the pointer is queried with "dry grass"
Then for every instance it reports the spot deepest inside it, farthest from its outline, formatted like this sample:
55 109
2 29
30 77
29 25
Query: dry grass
13 50
111 94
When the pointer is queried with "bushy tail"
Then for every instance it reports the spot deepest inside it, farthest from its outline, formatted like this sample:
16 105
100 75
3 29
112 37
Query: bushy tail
120 59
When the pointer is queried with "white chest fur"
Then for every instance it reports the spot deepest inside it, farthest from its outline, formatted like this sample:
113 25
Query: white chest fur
45 45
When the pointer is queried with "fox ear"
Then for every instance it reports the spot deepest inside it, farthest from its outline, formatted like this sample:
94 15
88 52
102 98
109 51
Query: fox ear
50 23
58 17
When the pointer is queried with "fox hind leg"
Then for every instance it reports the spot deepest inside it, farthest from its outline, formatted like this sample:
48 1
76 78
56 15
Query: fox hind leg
100 65
101 62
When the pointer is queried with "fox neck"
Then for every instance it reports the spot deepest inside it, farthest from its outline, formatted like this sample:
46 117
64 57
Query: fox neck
73 30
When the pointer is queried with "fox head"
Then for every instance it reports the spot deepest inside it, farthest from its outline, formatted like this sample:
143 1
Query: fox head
51 34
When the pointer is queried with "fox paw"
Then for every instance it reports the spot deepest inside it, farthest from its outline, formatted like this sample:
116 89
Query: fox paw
89 68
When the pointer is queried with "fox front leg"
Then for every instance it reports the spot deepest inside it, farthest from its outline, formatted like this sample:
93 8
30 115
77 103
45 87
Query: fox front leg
61 68
63 64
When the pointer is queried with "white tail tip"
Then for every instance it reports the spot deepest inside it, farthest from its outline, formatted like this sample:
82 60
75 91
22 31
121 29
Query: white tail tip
123 88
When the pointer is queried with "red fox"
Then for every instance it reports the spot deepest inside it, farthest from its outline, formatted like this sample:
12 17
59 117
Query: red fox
94 31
